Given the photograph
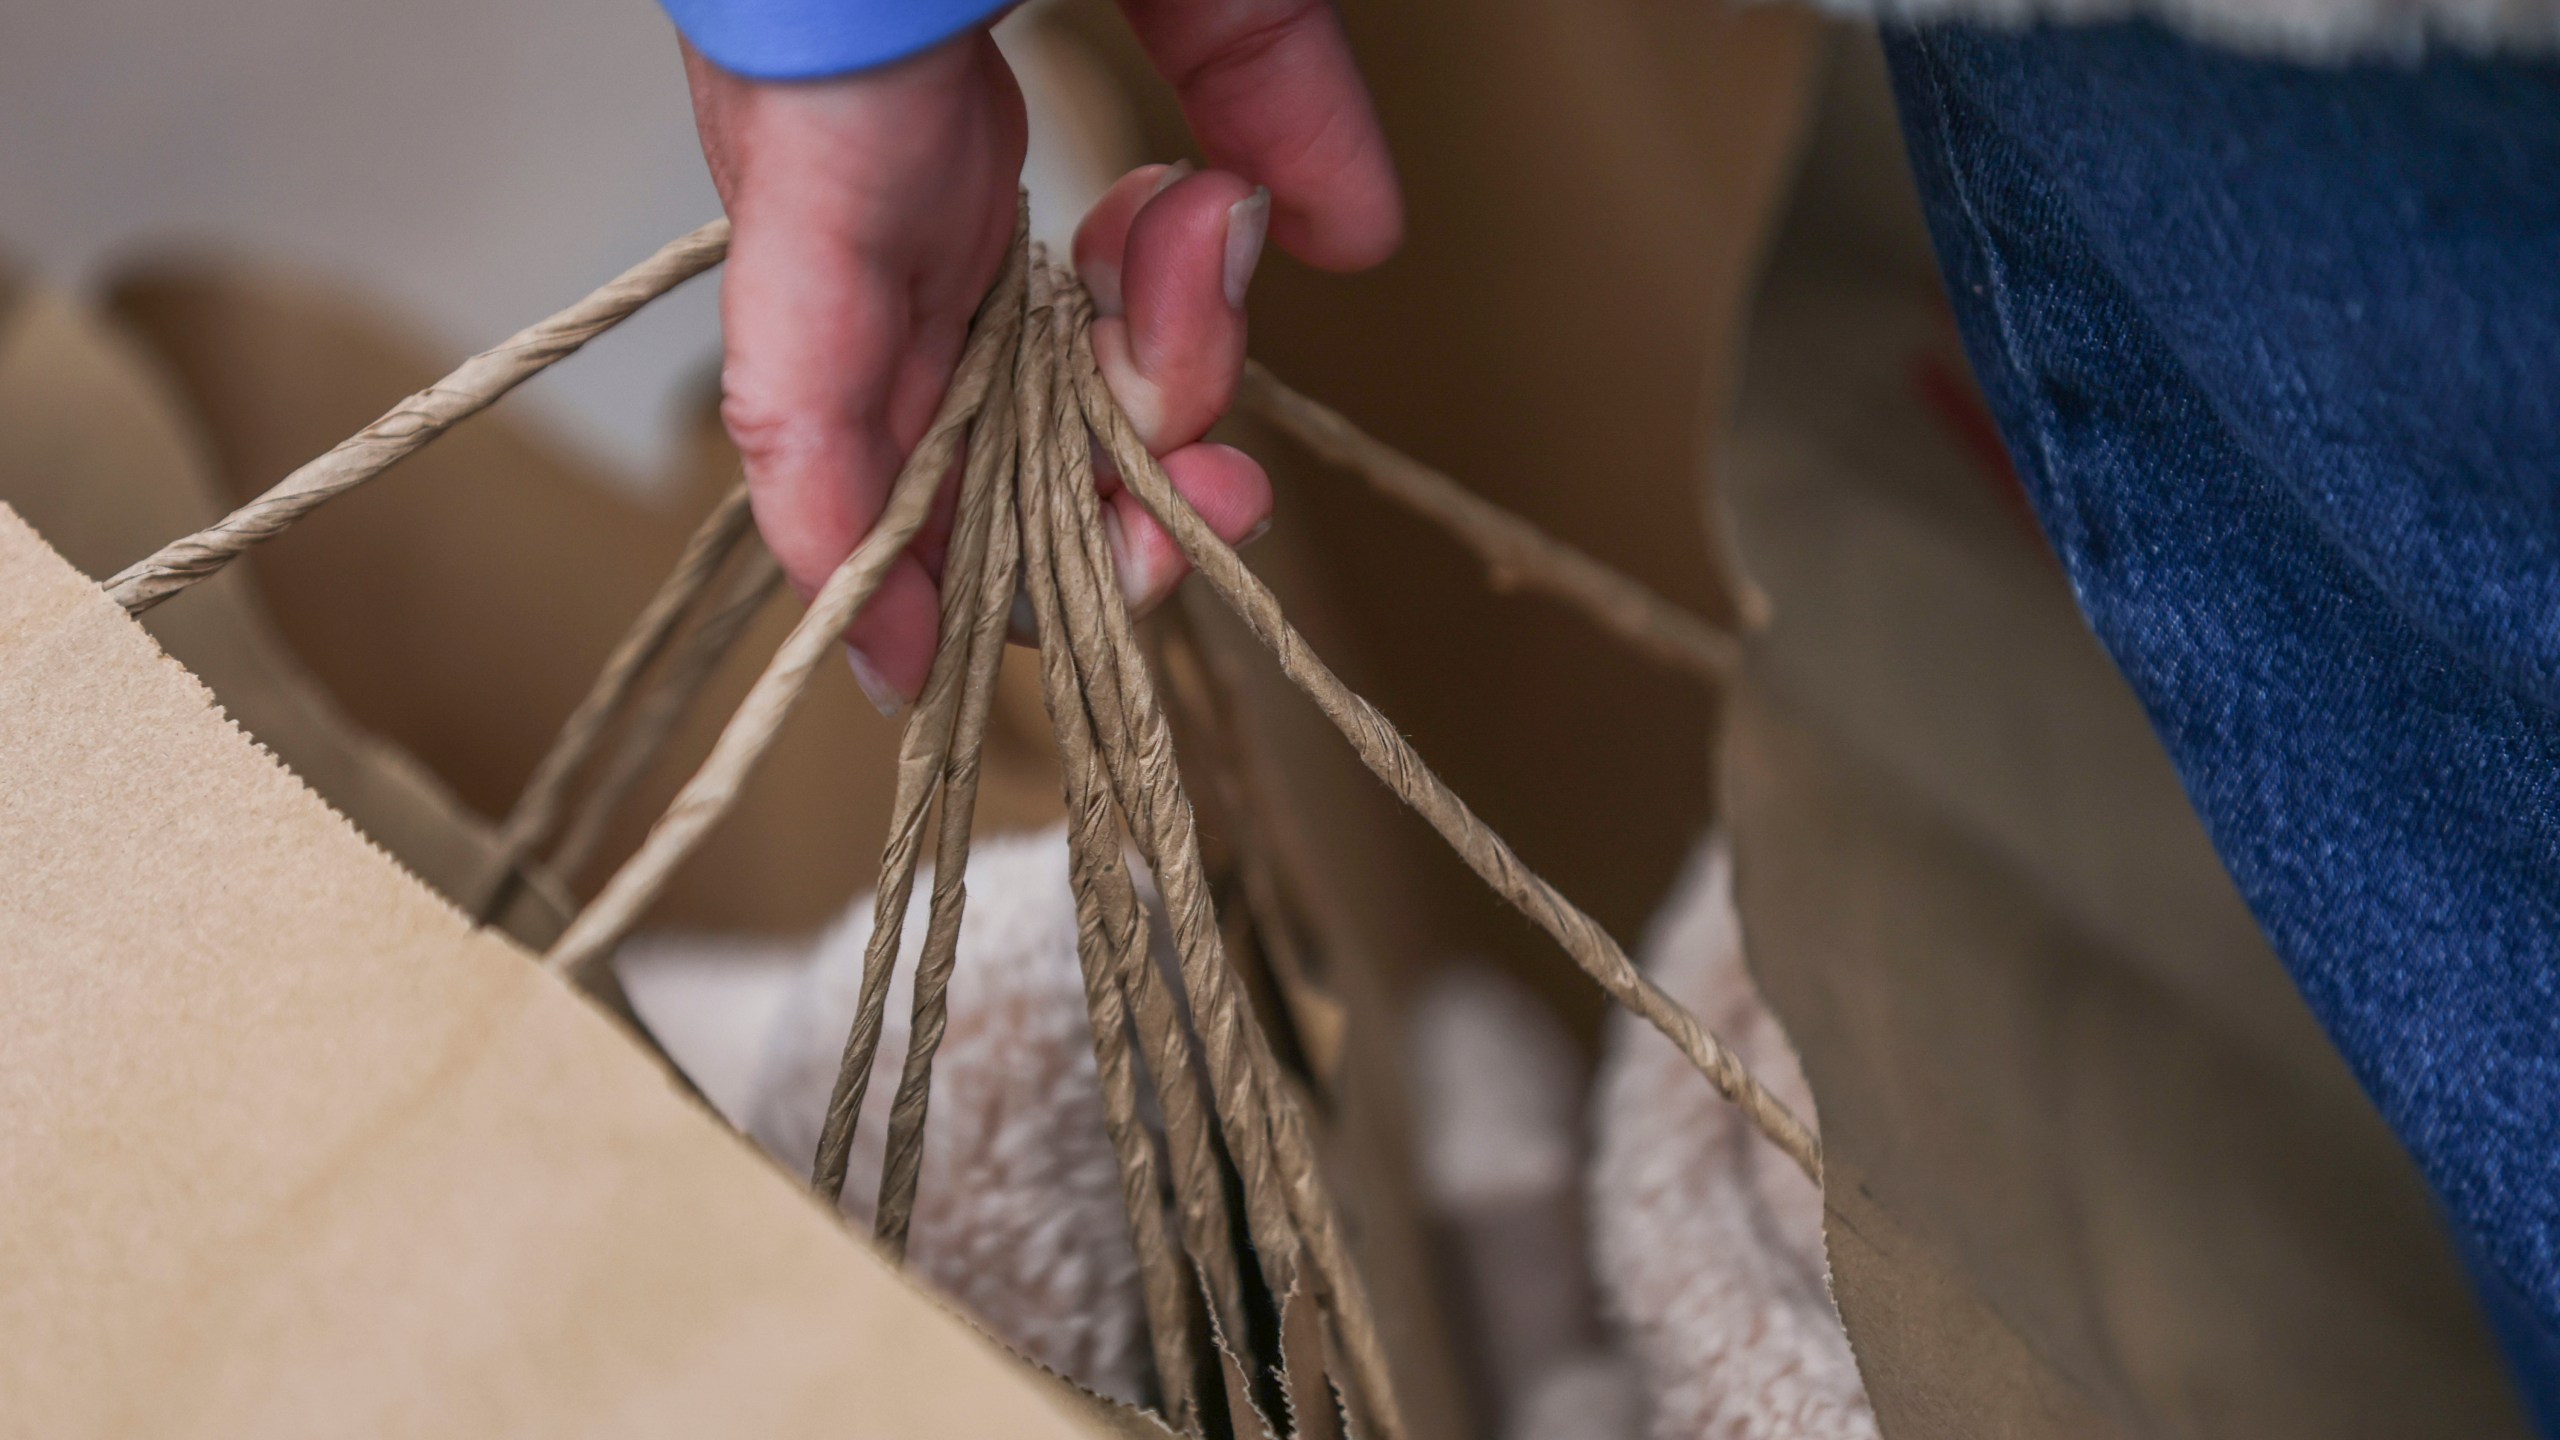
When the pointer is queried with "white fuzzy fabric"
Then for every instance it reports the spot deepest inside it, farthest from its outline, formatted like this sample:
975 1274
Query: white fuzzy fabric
1018 1213
2315 30
1496 1086
1498 1110
1592 1395
1709 1241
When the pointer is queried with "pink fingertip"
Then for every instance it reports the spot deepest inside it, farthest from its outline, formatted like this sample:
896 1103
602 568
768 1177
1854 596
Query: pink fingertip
883 696
1248 224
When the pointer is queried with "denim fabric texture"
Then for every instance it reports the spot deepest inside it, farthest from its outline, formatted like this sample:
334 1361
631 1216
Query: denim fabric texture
2277 352
809 39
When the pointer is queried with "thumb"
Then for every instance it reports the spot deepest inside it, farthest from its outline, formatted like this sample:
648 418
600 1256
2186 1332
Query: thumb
1273 95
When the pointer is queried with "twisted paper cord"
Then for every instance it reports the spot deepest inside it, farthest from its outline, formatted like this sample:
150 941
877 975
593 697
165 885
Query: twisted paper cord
1032 407
408 426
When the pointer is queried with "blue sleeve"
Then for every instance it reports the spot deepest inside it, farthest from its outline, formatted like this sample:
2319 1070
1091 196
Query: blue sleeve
806 39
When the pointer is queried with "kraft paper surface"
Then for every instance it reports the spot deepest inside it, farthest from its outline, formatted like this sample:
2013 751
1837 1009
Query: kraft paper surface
293 1151
98 454
461 605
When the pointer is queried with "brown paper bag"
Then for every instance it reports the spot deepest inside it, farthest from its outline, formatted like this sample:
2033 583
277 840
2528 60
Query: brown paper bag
1588 186
2093 1169
403 596
460 607
295 1151
95 448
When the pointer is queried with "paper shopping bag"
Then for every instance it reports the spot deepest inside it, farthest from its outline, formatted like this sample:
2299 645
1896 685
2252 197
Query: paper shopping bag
293 1150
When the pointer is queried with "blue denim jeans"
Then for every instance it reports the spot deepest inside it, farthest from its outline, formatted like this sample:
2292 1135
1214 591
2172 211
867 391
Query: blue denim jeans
2276 349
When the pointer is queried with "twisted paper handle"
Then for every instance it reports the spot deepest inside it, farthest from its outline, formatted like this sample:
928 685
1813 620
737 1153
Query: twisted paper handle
1030 405
409 425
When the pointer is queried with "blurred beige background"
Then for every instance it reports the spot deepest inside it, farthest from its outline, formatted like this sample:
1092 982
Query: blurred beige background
475 163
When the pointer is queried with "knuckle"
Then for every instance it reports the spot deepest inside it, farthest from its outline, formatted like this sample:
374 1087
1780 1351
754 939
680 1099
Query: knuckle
772 437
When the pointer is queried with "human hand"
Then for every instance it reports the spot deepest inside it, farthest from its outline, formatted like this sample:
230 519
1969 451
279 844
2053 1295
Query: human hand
872 211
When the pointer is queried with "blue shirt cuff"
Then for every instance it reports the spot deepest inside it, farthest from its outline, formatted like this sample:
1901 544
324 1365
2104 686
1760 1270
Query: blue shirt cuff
809 39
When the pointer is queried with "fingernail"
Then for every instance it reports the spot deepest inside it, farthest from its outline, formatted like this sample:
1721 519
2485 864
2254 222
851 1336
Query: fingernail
879 692
1134 579
1101 275
1260 529
1248 220
1138 395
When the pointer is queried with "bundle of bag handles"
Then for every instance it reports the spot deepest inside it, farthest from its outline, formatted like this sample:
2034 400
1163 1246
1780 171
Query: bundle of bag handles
1029 410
